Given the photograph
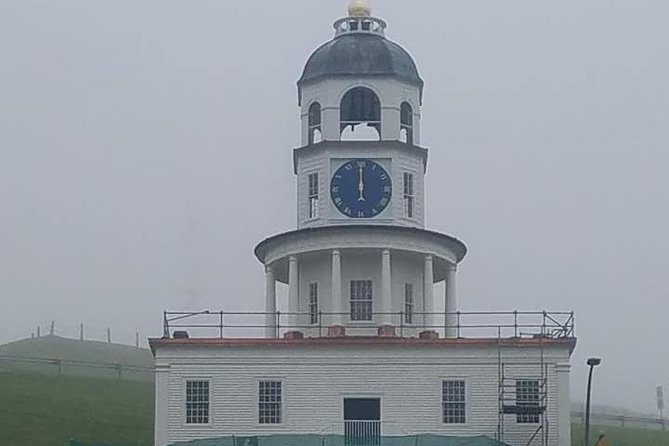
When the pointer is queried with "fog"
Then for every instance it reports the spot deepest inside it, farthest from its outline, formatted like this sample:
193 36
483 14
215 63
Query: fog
146 147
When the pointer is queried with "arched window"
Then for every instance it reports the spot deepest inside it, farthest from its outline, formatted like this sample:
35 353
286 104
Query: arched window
315 120
360 106
406 123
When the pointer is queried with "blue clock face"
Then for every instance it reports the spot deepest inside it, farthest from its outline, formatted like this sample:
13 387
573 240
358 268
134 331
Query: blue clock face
361 189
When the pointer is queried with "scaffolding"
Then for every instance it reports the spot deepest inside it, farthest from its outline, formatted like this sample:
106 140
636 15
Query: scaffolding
524 397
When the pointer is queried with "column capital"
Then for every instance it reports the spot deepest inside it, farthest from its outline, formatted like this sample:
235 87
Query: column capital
336 253
292 259
453 267
269 269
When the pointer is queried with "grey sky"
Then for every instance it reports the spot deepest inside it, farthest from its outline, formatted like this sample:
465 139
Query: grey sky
145 148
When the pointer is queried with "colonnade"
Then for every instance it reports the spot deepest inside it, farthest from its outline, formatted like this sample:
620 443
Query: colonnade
338 308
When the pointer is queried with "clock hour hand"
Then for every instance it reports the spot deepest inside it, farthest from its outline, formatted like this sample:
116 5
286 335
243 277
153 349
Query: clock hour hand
361 184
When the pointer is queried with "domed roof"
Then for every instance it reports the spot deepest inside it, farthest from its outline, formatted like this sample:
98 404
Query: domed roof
361 54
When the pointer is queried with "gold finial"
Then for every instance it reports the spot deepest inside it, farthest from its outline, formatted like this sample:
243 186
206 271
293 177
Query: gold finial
359 8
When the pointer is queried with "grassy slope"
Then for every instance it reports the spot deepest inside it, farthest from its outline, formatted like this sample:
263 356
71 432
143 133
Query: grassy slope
622 436
38 410
54 347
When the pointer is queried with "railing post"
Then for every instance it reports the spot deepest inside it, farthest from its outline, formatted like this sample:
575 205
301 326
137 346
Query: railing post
515 323
166 326
459 320
320 324
402 320
278 324
220 327
543 327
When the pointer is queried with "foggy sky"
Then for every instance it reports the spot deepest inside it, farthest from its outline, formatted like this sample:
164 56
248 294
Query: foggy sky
145 148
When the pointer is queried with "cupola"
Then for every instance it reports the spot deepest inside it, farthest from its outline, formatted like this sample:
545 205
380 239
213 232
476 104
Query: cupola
360 80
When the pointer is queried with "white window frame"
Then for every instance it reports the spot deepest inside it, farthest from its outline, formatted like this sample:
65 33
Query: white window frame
313 196
314 315
528 418
358 301
409 189
409 303
282 403
184 419
467 399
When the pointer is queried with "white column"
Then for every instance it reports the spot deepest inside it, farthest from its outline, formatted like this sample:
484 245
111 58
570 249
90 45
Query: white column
564 404
270 303
337 303
330 123
386 289
428 294
451 303
162 383
293 294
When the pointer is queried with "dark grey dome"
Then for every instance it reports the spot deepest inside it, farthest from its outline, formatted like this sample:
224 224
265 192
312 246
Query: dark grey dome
361 54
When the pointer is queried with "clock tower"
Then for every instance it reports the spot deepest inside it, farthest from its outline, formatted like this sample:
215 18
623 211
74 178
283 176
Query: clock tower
361 261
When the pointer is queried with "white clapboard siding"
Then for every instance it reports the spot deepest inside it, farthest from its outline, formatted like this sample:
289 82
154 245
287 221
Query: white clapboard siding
316 379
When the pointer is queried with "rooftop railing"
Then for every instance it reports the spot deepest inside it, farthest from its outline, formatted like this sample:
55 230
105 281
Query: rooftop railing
230 324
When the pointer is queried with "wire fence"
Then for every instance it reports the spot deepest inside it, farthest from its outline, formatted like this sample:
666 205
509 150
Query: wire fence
89 332
622 421
86 369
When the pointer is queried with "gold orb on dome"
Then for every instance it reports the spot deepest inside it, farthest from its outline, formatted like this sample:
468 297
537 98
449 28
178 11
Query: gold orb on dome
359 8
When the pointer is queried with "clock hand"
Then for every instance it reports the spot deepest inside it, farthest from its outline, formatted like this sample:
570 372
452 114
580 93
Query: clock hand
361 184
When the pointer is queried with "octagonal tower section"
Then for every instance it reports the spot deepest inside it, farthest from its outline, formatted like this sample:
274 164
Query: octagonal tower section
360 96
360 262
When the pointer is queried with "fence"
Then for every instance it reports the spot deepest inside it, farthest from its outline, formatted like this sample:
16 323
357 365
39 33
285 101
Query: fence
621 421
76 368
514 324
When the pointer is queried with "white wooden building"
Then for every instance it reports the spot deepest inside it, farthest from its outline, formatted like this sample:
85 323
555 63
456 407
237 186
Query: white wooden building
361 352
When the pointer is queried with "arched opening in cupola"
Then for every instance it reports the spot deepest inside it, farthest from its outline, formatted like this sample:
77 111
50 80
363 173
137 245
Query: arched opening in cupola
406 123
360 115
315 123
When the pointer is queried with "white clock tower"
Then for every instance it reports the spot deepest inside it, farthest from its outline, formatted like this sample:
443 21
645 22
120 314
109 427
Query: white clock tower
360 259
360 354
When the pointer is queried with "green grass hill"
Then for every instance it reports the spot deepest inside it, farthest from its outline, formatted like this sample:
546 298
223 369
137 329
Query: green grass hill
41 410
56 355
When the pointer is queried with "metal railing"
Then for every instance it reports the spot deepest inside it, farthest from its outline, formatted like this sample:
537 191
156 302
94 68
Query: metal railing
362 432
513 324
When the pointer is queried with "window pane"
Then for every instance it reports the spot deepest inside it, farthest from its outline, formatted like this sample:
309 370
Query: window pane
408 303
269 402
528 395
361 300
197 402
454 402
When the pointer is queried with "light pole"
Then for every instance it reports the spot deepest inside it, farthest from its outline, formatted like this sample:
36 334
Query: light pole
592 362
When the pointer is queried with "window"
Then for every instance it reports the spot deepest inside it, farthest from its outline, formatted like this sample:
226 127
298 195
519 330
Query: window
269 402
315 131
409 195
408 303
197 402
360 106
406 123
453 402
313 303
361 300
527 395
313 196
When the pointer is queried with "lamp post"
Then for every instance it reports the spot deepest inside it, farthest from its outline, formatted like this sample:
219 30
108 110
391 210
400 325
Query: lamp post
592 362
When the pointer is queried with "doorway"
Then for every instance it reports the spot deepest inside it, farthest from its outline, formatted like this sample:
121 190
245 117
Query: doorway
362 421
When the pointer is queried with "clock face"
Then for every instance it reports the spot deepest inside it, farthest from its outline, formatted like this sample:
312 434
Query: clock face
361 189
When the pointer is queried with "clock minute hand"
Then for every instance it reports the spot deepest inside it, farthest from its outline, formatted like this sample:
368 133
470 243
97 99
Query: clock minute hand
361 184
